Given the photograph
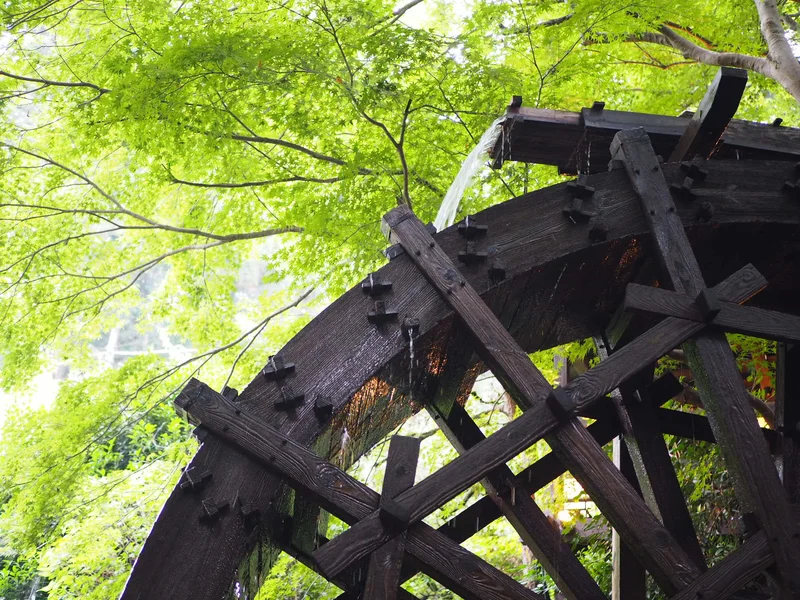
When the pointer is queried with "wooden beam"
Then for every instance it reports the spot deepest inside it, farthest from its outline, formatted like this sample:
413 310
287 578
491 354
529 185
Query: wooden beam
628 577
716 110
575 446
472 466
344 496
383 573
732 317
697 427
719 382
514 501
653 465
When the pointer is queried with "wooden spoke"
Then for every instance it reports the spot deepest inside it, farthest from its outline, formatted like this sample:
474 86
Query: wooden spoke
787 418
713 364
732 317
515 503
697 427
716 110
383 573
347 498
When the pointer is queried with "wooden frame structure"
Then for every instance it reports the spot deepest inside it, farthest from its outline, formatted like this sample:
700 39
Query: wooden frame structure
487 292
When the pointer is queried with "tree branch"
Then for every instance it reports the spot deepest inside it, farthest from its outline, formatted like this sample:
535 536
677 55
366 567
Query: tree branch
97 88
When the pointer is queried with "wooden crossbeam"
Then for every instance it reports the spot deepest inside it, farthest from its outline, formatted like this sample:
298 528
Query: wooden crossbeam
344 496
724 396
787 417
515 503
383 573
472 466
697 427
716 110
732 317
577 449
653 465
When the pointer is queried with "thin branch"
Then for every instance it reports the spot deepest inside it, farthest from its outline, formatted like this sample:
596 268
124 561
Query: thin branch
97 88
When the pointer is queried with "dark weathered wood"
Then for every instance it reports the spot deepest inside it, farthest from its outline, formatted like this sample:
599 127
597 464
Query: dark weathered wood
342 495
305 519
787 421
628 577
383 573
574 445
732 317
338 354
516 504
716 374
472 466
697 427
561 138
703 132
652 464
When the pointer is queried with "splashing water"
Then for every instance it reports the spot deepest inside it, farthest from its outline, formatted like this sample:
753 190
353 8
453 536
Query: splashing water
466 175
411 359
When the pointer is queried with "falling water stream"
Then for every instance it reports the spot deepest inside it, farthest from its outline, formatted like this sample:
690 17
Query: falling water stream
466 175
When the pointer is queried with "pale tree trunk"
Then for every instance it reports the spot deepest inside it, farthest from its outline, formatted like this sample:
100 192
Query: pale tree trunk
784 65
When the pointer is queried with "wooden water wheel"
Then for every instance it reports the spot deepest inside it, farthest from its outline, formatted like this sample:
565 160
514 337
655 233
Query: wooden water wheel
699 248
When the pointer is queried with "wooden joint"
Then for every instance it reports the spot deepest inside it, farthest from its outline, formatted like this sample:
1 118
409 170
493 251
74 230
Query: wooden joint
250 514
373 286
323 407
379 315
597 107
410 328
579 189
793 189
598 230
575 211
288 399
394 515
470 256
277 368
212 510
194 479
471 229
497 271
230 394
694 170
201 433
708 304
684 190
561 404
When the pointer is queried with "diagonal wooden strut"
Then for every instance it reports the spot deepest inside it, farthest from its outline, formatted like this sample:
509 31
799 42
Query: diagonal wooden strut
344 496
713 364
383 573
516 504
472 466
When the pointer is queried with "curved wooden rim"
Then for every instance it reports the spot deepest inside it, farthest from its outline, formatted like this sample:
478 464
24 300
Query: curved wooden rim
559 286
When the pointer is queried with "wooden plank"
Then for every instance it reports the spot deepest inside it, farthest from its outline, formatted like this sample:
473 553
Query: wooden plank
653 465
716 110
516 504
724 396
732 317
553 137
576 448
347 498
628 577
472 466
697 427
383 573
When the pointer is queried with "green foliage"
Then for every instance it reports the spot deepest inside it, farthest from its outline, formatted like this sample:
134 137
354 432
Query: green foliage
151 153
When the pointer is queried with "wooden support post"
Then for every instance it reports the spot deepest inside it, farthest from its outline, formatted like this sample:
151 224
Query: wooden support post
305 519
663 556
628 577
344 496
731 317
515 502
383 573
717 108
724 396
787 418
